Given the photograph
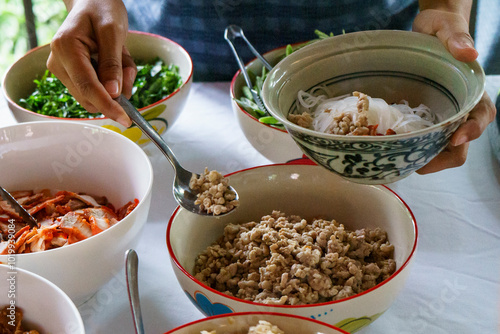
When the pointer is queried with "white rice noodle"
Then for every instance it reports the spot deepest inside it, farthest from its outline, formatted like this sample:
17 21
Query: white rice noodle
401 118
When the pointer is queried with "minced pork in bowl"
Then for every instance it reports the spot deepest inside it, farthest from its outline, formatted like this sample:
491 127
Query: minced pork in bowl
390 65
307 259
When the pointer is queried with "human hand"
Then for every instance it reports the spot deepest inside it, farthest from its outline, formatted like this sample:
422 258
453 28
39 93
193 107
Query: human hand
95 27
452 30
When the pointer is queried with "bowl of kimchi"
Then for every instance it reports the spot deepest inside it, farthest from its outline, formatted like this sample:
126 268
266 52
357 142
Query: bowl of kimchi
373 106
271 255
89 190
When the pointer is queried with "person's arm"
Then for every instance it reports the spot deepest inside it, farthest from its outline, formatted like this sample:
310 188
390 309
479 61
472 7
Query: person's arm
94 28
448 20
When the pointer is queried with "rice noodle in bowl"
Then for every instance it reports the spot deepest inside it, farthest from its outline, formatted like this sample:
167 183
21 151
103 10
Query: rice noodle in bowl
358 114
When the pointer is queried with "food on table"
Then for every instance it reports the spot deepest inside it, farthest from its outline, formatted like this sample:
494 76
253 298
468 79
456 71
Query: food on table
214 195
63 219
10 321
358 114
263 327
154 81
247 102
286 260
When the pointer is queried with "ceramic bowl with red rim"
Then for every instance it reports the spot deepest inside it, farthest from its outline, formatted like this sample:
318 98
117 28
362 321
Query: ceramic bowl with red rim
18 83
272 142
307 191
241 322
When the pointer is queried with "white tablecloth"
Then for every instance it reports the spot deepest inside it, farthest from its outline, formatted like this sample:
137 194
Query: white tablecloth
454 282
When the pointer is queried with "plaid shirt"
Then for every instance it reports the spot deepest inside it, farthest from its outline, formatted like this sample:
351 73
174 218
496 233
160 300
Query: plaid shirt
199 25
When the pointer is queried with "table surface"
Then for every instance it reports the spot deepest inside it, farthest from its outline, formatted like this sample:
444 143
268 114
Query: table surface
454 283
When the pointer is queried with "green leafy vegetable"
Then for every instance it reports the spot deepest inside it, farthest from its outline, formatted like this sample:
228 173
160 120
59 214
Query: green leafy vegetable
154 81
52 98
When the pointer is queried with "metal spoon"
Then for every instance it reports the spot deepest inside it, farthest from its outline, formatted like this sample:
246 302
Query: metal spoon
131 266
230 34
183 194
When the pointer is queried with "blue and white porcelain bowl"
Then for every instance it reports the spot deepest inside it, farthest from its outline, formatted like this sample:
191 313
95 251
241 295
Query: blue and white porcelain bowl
393 65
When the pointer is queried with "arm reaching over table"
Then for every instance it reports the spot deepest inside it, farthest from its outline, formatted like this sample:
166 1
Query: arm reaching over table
94 27
449 21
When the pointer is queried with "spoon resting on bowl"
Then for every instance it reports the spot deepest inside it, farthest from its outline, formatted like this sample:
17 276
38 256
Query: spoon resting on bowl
184 193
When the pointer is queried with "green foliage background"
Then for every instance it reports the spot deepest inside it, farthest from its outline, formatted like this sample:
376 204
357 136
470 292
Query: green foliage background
49 14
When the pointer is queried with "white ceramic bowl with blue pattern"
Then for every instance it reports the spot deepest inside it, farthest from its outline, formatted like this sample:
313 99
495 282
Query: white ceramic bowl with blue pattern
393 65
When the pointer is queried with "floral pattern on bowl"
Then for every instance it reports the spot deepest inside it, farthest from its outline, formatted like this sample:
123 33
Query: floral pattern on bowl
374 162
205 306
208 308
392 65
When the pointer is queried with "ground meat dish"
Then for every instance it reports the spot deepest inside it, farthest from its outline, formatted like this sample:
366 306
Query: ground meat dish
285 260
263 327
214 195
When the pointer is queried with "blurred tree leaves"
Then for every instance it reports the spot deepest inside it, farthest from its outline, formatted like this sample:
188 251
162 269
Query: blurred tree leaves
49 14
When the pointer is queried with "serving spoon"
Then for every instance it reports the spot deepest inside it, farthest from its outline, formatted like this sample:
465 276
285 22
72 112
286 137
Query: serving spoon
131 269
183 194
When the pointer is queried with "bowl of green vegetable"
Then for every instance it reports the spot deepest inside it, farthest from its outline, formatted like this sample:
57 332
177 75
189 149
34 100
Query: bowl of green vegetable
160 90
265 134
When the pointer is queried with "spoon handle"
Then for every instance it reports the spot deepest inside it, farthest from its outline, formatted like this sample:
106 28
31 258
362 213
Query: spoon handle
149 131
132 263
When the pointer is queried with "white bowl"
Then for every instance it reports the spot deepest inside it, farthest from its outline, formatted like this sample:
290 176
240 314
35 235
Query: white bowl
18 83
393 65
308 191
45 307
240 322
64 155
273 143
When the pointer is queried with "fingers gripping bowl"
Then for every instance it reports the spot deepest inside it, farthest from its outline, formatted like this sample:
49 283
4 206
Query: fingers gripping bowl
308 191
18 84
392 65
63 155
